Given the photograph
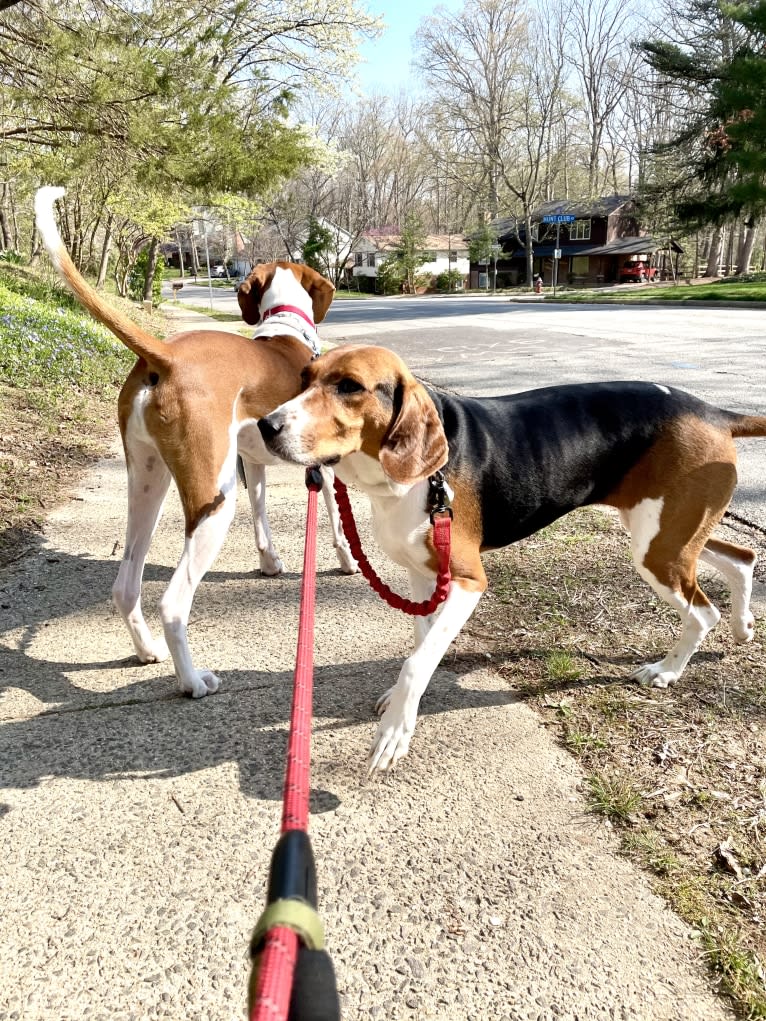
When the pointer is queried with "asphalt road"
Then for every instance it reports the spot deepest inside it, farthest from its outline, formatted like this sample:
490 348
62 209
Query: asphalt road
486 346
137 825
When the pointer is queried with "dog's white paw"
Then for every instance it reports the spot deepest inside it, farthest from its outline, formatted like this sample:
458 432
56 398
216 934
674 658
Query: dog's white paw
392 741
383 702
743 629
154 651
654 675
200 683
346 559
271 565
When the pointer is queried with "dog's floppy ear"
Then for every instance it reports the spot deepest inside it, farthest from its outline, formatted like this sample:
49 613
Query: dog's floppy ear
319 289
250 292
415 445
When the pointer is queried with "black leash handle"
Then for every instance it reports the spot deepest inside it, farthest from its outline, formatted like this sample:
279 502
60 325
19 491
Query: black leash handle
292 879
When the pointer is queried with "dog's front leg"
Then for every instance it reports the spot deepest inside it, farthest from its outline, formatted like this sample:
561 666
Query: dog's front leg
345 557
397 723
420 589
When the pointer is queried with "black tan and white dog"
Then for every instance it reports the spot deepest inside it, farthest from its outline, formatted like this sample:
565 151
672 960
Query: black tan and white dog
664 459
188 407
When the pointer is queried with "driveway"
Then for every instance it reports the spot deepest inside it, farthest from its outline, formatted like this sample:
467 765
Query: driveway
137 825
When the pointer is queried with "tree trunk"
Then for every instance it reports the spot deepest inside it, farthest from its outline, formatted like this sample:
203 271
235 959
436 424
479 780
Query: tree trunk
180 254
151 268
714 258
105 252
746 251
4 232
730 252
529 245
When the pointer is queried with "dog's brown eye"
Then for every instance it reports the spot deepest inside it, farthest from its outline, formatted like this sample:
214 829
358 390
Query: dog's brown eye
349 386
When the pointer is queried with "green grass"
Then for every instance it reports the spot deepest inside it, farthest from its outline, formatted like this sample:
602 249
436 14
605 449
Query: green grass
613 797
720 290
560 666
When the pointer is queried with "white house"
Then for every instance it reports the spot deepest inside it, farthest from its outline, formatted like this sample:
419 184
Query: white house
441 252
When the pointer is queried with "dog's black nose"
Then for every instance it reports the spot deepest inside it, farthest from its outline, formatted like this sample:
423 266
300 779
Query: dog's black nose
268 430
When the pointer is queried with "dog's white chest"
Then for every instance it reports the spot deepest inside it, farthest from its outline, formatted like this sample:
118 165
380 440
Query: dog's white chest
400 528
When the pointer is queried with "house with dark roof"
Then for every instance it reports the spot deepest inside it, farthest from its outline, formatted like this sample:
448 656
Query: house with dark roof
596 247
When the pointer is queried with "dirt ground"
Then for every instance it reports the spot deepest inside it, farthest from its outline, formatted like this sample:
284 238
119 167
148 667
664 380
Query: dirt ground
682 772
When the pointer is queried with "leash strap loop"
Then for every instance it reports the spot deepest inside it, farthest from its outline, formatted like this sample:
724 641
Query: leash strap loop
290 914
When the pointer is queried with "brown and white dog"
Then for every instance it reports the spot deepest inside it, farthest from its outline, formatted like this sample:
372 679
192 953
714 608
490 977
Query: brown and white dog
665 460
188 407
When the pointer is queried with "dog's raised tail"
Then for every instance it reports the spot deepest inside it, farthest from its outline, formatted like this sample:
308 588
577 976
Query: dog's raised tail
140 343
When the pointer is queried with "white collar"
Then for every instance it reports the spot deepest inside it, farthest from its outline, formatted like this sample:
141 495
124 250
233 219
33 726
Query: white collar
286 319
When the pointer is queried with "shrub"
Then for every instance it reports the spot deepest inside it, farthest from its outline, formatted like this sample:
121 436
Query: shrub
12 257
449 280
390 276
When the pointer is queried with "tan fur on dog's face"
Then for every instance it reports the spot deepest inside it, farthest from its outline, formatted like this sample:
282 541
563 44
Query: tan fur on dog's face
365 399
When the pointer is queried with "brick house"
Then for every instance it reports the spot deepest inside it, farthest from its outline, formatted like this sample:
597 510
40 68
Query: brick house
605 234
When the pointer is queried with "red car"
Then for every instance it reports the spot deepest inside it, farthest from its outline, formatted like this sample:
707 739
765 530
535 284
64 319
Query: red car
636 272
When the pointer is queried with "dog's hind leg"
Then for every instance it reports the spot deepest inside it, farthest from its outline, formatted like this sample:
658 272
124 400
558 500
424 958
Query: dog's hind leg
203 543
148 481
342 549
666 543
736 564
255 475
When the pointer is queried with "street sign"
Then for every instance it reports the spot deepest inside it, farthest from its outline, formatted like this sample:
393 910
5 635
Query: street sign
556 253
559 218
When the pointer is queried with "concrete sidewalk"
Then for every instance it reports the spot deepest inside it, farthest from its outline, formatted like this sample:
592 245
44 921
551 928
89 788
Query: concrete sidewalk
181 318
138 825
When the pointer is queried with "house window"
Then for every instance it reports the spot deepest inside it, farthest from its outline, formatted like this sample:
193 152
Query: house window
371 260
358 259
429 256
579 230
579 265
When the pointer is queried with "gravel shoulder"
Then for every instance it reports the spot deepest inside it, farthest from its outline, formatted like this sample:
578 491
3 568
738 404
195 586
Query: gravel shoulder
138 825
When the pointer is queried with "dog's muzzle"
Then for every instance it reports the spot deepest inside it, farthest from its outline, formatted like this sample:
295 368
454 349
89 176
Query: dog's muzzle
270 429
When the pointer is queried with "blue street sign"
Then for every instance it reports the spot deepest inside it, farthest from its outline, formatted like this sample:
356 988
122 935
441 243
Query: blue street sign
559 218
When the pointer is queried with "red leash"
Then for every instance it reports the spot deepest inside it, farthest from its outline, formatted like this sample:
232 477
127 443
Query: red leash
441 517
277 948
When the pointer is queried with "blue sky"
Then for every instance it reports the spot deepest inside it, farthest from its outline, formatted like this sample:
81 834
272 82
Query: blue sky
388 58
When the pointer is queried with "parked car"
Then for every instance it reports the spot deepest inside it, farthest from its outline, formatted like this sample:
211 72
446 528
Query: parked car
636 272
218 271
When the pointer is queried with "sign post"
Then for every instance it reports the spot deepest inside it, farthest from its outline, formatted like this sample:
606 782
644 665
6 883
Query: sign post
558 219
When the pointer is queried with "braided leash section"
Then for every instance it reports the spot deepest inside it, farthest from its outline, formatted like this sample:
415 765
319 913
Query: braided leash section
442 534
275 975
274 980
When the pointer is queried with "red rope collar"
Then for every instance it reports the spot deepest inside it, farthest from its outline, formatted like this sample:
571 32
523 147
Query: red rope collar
288 308
442 521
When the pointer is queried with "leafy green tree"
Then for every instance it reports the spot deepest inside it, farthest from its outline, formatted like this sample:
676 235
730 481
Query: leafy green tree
410 252
721 151
390 275
317 247
481 242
